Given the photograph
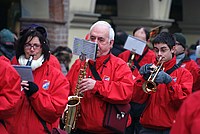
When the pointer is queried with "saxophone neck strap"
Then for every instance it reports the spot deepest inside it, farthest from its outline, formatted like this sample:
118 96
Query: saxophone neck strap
94 71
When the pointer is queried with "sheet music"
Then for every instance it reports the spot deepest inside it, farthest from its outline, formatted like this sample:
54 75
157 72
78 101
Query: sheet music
25 72
86 47
134 44
197 52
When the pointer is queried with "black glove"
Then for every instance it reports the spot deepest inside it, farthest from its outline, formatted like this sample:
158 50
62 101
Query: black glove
145 70
33 88
163 77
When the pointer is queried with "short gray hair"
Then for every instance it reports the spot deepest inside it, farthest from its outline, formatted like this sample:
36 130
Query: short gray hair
104 23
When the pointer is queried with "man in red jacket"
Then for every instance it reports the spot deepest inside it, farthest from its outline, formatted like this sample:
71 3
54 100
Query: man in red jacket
115 87
184 61
173 85
9 92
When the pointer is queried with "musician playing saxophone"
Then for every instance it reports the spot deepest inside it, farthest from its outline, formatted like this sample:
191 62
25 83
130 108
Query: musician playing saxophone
173 84
114 87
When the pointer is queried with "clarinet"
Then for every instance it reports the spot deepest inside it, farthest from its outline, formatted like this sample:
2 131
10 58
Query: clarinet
29 60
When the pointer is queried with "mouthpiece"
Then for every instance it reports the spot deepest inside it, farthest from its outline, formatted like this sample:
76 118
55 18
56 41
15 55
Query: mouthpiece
29 60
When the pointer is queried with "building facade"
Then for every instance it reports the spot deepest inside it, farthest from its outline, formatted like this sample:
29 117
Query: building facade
66 19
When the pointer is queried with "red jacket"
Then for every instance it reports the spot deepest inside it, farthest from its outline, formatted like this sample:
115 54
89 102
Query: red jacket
49 102
188 117
194 69
116 87
163 105
148 57
9 91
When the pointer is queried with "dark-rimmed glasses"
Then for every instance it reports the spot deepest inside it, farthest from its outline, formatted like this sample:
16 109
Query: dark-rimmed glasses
34 46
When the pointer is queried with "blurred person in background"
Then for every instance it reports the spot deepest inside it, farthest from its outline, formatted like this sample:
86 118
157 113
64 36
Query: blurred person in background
184 61
64 56
7 42
148 56
120 39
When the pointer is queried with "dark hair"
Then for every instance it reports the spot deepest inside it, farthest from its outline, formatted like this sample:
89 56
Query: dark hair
145 30
120 37
32 32
166 38
63 51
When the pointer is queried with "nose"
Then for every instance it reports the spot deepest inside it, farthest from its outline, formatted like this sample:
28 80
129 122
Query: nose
32 48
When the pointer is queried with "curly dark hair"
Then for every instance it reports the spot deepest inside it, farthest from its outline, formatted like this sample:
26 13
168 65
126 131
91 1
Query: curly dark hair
166 38
33 32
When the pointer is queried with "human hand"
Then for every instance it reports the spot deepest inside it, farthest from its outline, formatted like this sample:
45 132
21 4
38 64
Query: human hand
29 87
163 77
146 70
86 84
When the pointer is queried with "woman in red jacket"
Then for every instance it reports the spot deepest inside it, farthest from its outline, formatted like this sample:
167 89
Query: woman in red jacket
9 92
173 83
44 99
148 56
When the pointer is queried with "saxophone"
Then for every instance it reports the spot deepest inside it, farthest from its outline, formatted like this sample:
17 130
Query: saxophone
73 105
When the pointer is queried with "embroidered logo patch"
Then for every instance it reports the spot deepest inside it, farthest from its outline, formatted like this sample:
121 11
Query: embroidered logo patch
106 78
174 79
183 65
46 84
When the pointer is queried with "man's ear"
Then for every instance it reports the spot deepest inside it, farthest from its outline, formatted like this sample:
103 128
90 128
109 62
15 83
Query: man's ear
111 43
173 49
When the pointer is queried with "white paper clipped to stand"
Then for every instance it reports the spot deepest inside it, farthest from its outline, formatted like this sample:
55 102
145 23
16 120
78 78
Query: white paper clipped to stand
82 46
134 44
197 52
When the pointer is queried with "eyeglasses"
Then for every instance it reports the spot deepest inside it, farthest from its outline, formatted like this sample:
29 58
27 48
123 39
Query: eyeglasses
34 46
38 28
162 50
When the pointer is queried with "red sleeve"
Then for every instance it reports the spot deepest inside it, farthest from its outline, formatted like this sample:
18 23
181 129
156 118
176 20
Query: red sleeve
125 55
188 117
51 103
180 90
9 90
139 95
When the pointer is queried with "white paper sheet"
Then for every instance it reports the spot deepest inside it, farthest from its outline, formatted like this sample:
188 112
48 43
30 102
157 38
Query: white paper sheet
134 44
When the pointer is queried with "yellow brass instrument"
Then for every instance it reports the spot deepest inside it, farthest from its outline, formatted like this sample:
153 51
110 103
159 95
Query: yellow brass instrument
73 106
131 60
150 86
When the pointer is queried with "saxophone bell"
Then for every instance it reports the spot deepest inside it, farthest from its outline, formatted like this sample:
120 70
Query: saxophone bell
71 113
